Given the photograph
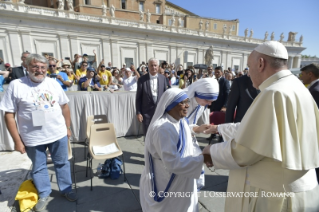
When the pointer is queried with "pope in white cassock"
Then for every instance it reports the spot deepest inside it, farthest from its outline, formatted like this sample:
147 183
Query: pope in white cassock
201 94
275 149
171 167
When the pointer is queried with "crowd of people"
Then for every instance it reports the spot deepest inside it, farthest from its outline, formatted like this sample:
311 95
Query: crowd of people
271 134
69 72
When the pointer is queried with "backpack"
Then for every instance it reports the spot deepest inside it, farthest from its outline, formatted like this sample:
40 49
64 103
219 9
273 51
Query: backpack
111 168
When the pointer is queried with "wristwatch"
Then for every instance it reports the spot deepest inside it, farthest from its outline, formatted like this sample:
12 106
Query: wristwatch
69 128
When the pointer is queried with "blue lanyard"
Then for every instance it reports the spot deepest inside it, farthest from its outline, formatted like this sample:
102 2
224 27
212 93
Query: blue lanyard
180 149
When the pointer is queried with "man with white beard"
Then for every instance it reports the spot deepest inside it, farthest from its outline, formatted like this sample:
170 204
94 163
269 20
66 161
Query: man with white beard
43 120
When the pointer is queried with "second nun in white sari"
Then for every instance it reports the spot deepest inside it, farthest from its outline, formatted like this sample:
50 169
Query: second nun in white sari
201 94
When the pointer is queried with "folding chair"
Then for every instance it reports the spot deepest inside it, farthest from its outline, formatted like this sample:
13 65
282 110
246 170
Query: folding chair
95 119
70 156
102 135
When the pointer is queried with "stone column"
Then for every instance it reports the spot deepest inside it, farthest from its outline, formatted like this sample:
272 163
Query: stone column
173 53
15 47
244 61
26 41
106 51
142 53
115 54
296 62
149 51
74 46
64 47
290 61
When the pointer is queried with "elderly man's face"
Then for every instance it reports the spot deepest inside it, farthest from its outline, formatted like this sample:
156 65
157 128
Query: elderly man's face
37 71
109 64
52 66
180 110
153 67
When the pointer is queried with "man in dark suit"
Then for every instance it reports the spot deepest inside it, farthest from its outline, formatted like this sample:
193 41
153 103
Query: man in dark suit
150 88
20 71
242 94
224 87
310 75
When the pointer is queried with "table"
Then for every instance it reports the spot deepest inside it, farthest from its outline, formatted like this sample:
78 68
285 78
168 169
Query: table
119 107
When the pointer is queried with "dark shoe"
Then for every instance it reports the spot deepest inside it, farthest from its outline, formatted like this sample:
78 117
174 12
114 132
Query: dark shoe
71 196
42 202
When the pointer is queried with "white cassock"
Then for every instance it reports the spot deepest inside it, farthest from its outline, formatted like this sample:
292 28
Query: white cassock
208 89
274 149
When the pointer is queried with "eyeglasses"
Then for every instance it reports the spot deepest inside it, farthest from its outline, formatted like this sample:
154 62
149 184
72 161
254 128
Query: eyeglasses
184 103
52 66
84 65
209 69
39 67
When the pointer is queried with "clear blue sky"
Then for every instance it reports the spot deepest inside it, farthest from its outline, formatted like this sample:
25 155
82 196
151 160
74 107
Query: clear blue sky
277 16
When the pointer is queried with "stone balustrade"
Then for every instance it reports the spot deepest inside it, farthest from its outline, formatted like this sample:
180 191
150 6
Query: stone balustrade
23 8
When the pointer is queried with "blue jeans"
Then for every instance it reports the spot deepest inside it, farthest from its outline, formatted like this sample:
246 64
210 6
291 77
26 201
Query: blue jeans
39 173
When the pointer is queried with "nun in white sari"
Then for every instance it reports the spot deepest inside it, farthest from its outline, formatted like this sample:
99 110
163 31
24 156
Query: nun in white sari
201 94
168 179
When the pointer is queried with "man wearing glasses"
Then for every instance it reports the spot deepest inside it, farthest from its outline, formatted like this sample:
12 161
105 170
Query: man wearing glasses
20 71
60 77
43 121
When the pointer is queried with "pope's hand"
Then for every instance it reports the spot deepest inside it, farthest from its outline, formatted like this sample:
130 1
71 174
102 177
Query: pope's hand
201 128
212 129
139 117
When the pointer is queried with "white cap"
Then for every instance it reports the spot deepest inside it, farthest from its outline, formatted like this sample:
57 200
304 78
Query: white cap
128 69
273 49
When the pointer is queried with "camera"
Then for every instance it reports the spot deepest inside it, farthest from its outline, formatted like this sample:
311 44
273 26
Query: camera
67 58
53 76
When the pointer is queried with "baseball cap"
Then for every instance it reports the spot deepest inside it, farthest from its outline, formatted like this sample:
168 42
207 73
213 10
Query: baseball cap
246 68
90 69
128 69
102 65
85 55
166 71
273 49
124 64
7 65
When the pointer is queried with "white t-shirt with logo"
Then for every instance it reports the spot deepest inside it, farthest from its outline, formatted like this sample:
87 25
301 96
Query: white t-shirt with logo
24 96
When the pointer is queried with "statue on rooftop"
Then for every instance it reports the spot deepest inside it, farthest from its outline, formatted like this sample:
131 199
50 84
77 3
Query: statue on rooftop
251 33
173 19
148 16
201 25
104 9
272 37
281 37
141 15
70 5
61 5
112 11
246 33
301 39
207 25
266 36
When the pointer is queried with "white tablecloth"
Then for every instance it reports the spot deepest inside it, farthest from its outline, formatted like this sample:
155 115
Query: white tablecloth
119 107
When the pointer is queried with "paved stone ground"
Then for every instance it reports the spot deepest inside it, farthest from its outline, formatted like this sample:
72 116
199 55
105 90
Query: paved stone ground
117 195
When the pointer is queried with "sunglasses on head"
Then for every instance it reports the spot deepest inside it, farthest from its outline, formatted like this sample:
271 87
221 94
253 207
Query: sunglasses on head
52 66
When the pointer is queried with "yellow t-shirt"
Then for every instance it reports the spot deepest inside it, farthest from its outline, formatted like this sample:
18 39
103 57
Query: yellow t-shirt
71 77
49 72
80 73
106 77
